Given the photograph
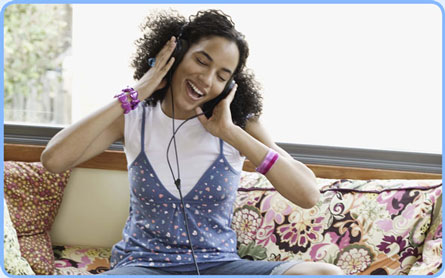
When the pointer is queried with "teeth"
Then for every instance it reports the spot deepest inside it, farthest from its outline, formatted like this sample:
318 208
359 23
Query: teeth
196 89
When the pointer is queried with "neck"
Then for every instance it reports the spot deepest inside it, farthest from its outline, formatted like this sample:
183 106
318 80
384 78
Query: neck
166 106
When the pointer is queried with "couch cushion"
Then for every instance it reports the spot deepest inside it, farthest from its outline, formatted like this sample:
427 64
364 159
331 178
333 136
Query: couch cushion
431 261
365 227
33 196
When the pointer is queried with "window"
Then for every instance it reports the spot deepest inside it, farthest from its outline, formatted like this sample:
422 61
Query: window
37 40
365 76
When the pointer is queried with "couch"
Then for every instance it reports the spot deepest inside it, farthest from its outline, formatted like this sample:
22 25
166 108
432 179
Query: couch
365 226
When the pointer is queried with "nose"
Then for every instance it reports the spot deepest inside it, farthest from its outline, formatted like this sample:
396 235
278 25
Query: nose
206 78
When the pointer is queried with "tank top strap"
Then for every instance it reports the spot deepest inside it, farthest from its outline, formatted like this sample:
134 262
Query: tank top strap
143 129
221 144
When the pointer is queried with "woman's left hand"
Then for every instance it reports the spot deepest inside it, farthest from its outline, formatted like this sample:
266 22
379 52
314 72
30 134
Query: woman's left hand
220 123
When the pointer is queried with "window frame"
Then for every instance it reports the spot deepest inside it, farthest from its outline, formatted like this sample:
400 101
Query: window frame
308 154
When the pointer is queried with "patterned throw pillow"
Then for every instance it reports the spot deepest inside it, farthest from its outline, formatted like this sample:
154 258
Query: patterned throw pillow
15 264
364 227
33 196
431 261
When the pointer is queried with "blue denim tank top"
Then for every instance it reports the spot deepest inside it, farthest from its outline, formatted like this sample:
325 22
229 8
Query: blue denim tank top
155 235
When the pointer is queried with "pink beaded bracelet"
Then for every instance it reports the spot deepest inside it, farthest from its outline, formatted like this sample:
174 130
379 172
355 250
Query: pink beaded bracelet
123 98
268 162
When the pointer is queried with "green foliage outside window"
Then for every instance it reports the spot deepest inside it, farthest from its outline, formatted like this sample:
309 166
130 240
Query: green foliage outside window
37 37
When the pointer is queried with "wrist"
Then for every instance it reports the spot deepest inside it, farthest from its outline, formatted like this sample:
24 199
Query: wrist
144 92
128 99
232 134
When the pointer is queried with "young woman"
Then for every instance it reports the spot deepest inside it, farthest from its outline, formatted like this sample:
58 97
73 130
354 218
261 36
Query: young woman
175 141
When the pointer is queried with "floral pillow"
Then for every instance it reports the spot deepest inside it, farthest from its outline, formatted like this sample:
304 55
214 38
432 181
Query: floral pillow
71 260
33 196
15 264
364 227
431 261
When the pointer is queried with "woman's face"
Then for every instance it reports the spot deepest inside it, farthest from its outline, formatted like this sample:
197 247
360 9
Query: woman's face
202 75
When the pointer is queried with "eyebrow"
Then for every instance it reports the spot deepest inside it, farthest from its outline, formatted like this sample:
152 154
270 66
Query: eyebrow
210 58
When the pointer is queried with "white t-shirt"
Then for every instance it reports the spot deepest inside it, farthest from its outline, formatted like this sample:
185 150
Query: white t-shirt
197 148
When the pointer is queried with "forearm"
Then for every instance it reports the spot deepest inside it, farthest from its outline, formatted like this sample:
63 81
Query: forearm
70 145
291 178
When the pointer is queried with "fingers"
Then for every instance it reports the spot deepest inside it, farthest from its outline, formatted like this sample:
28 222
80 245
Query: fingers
165 69
231 94
166 52
163 72
153 79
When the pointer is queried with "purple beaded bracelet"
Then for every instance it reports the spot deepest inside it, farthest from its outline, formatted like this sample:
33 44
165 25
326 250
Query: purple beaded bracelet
268 162
123 98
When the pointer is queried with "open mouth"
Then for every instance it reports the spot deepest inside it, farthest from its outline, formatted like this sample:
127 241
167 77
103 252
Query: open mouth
194 92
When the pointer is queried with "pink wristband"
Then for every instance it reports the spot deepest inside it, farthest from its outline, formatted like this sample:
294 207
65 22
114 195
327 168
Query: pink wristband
268 162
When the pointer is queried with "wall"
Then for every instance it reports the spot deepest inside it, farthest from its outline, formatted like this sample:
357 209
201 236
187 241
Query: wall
359 76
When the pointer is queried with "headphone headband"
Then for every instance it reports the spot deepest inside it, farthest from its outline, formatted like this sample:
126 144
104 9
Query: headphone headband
181 31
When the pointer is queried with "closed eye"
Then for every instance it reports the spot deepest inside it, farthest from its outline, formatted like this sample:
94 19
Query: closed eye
200 62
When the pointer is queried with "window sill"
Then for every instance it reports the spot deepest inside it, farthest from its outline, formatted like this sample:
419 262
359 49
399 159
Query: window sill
116 160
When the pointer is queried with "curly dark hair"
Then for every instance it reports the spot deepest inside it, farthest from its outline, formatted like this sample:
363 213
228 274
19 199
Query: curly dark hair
160 26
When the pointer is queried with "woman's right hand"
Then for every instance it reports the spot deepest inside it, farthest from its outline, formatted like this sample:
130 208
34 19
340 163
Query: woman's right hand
93 134
153 79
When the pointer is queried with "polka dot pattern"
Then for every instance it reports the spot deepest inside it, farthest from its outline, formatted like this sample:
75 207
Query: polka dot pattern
33 196
155 234
37 250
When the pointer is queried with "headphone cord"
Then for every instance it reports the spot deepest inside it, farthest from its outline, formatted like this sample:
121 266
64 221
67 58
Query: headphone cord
178 180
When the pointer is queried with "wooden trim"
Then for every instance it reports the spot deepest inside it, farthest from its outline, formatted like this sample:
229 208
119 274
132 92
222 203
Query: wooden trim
116 160
108 160
342 172
16 152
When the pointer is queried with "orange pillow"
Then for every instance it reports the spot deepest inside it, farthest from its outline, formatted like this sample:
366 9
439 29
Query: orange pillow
33 196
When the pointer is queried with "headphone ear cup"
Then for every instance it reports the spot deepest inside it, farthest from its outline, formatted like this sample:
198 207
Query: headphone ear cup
228 87
179 52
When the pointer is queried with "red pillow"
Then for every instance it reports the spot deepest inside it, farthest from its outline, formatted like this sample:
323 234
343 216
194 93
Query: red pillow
33 196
